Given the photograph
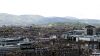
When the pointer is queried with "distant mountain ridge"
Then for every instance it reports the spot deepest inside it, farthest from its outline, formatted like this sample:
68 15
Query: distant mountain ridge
8 19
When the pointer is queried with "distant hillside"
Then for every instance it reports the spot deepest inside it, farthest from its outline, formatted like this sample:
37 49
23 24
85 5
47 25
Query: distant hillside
8 19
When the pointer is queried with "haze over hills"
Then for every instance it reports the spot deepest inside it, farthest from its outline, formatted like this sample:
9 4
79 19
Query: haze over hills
8 19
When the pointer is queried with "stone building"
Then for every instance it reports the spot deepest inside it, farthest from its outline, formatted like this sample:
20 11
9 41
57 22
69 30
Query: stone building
90 30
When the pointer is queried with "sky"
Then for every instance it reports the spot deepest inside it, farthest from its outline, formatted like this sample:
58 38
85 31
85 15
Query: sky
81 9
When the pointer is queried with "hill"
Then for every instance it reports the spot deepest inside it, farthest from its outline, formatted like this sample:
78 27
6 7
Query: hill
8 19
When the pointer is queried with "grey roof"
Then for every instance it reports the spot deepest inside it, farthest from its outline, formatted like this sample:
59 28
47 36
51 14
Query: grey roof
89 26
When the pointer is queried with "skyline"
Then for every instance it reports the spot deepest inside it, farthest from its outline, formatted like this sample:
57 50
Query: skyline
50 8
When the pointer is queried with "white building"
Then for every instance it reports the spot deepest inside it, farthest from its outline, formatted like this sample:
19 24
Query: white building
87 34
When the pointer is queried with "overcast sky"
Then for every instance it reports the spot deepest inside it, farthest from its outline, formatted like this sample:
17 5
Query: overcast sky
62 8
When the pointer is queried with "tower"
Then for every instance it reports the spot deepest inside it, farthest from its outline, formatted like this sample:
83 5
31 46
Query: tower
90 30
